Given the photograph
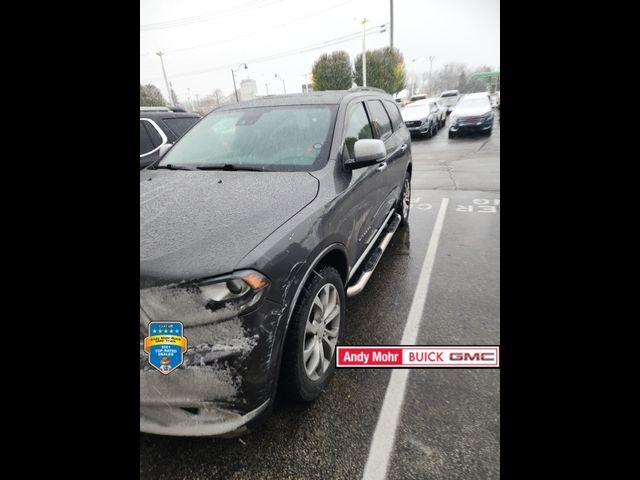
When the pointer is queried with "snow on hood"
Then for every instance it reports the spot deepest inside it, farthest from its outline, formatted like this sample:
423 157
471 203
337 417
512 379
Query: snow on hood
195 224
461 110
411 114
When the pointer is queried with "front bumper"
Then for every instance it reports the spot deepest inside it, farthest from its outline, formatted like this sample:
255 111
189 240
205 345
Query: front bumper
482 126
424 128
227 379
208 420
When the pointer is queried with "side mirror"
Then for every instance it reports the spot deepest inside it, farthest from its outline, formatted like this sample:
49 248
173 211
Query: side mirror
164 148
367 152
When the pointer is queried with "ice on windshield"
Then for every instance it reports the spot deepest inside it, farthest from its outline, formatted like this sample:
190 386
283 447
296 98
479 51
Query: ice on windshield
274 138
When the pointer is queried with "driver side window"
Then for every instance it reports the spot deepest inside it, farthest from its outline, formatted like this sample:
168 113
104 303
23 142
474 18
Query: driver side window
357 127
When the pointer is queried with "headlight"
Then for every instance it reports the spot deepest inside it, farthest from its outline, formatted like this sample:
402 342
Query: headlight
236 293
208 301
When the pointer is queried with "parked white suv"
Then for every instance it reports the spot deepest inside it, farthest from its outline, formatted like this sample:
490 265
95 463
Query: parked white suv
449 98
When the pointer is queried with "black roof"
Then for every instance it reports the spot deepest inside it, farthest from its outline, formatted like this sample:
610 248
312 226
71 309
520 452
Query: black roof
326 97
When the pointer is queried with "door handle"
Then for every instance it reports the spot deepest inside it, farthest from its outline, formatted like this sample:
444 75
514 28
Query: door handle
403 147
382 166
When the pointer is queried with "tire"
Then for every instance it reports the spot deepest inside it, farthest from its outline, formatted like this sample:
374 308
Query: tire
325 286
404 205
451 135
489 132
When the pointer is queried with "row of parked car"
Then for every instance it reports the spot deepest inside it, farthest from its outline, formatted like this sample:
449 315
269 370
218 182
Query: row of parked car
468 113
160 126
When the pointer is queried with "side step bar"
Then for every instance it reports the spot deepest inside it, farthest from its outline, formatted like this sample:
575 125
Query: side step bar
374 257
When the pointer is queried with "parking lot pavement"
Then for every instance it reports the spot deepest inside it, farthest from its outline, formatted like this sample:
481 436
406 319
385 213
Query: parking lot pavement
449 422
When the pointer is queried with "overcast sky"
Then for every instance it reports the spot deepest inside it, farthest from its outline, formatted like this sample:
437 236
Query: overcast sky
202 39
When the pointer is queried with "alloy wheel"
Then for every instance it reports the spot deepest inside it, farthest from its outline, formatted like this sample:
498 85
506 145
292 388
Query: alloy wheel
321 332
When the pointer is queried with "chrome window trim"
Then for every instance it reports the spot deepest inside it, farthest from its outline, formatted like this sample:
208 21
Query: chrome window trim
159 130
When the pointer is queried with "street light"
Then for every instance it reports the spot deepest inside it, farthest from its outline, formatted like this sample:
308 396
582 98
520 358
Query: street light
364 54
430 70
233 72
283 87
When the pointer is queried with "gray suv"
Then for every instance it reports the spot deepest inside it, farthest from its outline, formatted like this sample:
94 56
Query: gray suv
255 228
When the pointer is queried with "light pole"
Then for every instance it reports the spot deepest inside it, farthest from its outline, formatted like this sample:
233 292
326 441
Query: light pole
166 82
283 87
364 55
266 85
234 78
430 70
391 21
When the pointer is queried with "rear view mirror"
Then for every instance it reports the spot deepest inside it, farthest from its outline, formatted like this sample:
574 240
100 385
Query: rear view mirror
367 152
164 148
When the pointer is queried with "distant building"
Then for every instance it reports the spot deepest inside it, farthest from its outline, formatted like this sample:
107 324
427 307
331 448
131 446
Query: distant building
248 89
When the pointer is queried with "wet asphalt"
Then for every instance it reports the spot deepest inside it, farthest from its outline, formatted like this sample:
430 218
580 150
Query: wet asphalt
450 421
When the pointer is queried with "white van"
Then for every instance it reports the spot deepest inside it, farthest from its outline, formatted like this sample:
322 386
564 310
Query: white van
449 98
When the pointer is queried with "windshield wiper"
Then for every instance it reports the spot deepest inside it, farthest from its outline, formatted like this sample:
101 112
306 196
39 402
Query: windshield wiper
170 166
231 168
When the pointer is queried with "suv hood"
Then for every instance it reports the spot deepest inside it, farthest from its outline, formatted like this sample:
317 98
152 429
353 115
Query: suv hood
414 114
196 224
462 111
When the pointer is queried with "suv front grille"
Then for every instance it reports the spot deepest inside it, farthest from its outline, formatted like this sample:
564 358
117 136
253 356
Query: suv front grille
412 124
470 119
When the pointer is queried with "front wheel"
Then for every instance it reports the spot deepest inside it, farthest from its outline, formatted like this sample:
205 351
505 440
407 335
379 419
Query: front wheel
405 200
315 330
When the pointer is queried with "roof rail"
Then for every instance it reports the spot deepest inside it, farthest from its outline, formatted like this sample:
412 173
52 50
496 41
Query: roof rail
154 109
366 89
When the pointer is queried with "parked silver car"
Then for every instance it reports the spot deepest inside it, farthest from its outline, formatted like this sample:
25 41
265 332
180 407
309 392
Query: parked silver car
423 117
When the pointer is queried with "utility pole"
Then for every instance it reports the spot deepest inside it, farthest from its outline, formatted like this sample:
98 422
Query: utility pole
283 87
234 78
189 98
197 101
217 99
430 71
166 82
364 55
267 87
391 24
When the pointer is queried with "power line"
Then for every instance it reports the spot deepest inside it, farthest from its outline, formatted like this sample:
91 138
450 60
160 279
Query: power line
204 17
328 43
253 32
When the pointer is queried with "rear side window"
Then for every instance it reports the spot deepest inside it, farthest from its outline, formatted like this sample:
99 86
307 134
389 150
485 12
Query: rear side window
357 127
145 141
179 125
449 95
156 139
394 113
380 119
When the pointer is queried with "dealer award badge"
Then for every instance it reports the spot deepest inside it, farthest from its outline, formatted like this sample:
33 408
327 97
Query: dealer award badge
165 345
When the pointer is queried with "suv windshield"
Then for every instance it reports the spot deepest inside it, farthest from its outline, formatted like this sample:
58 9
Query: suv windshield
275 138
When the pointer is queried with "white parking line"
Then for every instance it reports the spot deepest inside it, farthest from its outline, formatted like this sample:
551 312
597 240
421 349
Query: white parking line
385 432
